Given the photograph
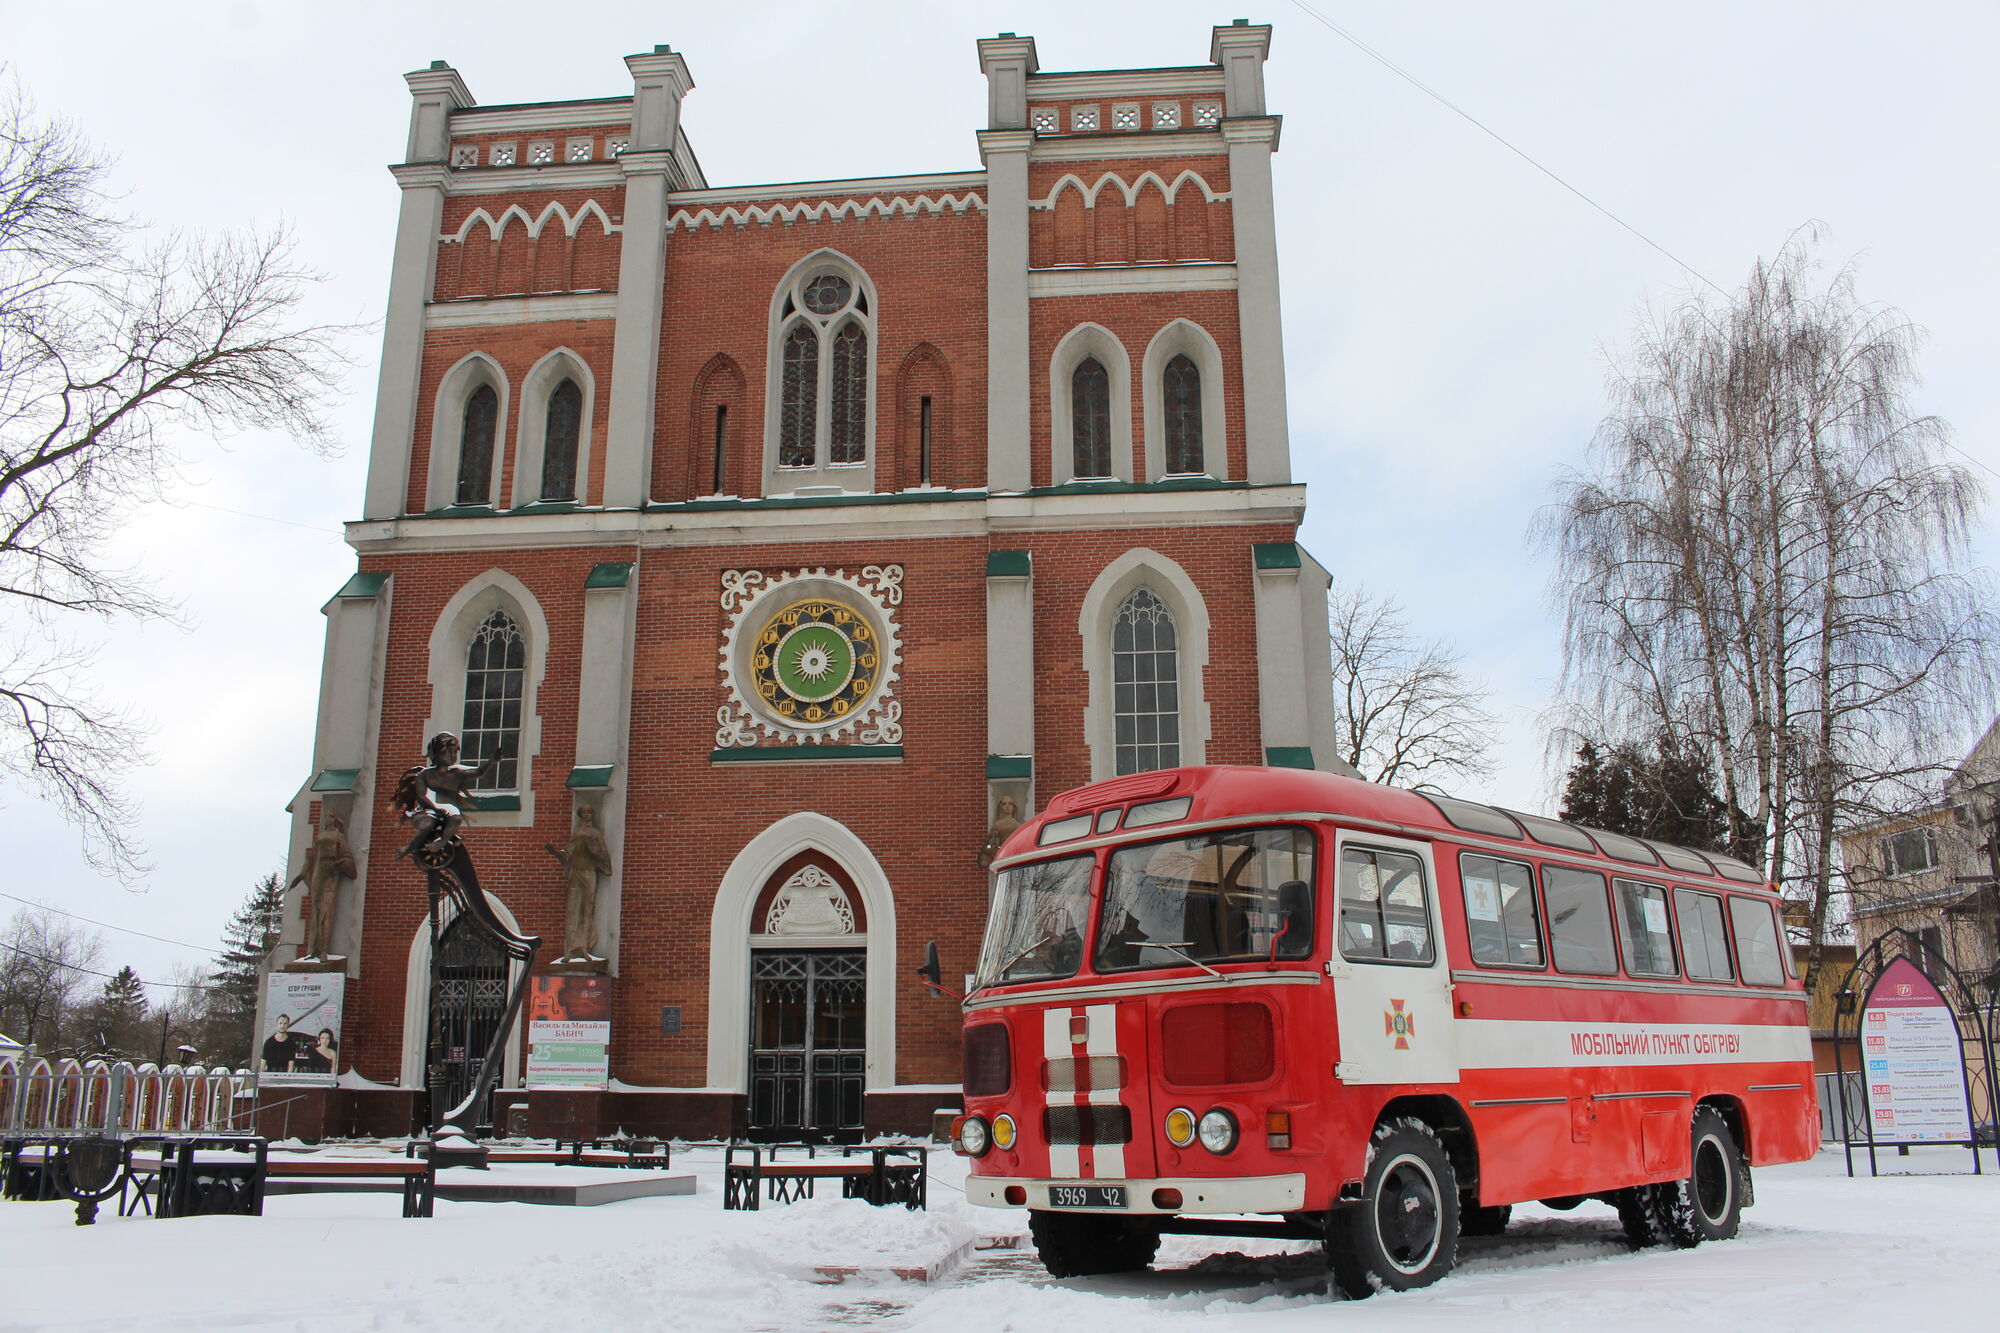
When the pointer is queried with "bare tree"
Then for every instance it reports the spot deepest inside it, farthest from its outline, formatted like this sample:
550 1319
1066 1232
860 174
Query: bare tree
1403 711
47 969
1763 561
116 346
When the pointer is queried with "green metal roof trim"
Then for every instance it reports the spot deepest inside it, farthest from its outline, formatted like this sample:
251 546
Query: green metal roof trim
477 801
367 583
336 779
803 753
1137 487
610 574
1288 756
1010 766
1009 564
1276 555
590 775
814 501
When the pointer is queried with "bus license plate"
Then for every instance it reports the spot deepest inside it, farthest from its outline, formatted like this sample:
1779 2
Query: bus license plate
1086 1196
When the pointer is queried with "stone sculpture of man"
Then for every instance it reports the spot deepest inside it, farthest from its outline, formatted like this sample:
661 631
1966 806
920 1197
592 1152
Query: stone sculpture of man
328 861
1006 819
583 861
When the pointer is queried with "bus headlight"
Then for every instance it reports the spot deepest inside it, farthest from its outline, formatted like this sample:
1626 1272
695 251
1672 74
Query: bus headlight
973 1138
1180 1127
1218 1131
1003 1132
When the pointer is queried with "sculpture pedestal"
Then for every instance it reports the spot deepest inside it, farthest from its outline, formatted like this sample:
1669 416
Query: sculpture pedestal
452 1146
333 962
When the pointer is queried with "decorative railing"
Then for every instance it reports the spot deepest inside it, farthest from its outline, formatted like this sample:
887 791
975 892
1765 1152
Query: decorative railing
68 1096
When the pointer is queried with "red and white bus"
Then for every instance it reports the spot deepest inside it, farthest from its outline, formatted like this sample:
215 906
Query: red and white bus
1248 1001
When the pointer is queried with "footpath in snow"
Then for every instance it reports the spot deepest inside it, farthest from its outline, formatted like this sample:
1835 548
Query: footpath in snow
1818 1252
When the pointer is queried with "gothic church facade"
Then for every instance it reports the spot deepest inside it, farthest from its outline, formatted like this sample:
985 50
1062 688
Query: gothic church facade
792 530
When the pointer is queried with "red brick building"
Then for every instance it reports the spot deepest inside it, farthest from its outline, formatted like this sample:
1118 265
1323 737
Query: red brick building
791 529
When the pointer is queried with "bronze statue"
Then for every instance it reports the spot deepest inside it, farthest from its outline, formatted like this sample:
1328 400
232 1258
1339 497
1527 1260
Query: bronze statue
434 796
328 861
1005 822
583 861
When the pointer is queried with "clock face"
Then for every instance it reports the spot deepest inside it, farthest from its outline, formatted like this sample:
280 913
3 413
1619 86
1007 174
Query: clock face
815 662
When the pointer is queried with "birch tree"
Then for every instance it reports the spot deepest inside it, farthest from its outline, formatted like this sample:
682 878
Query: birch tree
1764 560
118 346
1404 712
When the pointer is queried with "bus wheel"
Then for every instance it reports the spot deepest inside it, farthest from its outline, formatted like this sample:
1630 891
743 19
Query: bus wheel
1403 1231
1484 1221
1708 1205
1639 1214
1086 1244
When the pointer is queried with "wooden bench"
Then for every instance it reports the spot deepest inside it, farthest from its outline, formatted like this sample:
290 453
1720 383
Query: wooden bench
885 1176
637 1154
415 1177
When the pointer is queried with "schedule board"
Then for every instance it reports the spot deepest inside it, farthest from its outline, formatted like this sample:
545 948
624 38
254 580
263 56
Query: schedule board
1913 1064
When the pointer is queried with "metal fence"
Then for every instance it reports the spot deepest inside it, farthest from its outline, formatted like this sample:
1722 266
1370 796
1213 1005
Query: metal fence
68 1096
1831 1103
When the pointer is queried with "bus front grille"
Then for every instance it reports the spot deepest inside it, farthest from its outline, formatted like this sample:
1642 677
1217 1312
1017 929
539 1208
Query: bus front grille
1087 1126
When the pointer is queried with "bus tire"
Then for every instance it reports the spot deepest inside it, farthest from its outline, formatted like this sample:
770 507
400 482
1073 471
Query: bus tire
1708 1205
1087 1244
1638 1214
1491 1221
1402 1232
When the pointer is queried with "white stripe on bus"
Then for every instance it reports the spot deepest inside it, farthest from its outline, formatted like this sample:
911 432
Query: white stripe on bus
1102 1039
1064 1160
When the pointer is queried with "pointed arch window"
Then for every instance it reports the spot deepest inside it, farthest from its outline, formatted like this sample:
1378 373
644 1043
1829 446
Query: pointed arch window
496 665
824 386
1146 689
475 446
565 427
1090 418
1181 389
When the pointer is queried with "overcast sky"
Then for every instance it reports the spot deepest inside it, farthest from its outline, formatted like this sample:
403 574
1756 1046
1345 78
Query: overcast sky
1449 310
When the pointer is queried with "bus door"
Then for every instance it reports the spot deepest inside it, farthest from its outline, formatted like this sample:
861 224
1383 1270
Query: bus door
1391 979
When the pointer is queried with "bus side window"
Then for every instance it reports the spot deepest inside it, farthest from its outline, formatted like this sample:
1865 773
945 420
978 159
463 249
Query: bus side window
1579 921
1384 907
1756 941
1643 929
1500 920
1704 939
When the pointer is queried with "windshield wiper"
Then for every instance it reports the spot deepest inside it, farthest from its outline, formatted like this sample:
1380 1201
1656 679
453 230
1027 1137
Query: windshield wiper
1046 939
1180 947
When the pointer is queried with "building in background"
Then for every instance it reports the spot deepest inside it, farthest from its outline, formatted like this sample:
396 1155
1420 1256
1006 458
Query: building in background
1932 873
798 537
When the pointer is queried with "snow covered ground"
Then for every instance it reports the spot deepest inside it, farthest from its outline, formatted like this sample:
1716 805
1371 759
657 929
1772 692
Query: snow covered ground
1819 1252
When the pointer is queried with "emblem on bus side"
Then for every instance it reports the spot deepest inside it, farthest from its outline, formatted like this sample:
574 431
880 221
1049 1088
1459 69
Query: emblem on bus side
1397 1024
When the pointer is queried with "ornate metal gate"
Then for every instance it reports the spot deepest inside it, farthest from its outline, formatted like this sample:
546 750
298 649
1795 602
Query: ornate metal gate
471 1004
808 1012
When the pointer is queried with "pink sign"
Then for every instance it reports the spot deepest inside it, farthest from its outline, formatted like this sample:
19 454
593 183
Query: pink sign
1913 1062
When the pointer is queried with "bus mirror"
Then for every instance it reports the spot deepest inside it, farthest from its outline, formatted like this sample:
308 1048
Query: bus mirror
931 973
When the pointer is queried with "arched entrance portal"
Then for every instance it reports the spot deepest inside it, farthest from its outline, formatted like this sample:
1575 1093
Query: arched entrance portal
808 1021
468 1008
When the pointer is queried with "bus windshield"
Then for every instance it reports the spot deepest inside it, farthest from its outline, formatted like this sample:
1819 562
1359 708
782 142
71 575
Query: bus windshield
1235 896
1035 930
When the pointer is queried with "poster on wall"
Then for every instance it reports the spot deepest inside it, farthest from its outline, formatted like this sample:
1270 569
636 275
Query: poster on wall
569 1033
1913 1063
299 1044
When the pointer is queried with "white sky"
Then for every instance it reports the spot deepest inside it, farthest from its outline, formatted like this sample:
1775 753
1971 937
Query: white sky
1447 308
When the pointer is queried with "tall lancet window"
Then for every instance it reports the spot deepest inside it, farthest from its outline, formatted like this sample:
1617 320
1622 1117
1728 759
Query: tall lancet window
824 379
1180 387
565 425
475 446
1146 685
1090 418
496 666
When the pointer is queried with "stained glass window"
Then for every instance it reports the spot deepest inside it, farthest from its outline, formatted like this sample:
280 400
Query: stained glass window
565 423
1181 388
475 447
495 672
850 395
799 407
1090 417
828 294
1145 684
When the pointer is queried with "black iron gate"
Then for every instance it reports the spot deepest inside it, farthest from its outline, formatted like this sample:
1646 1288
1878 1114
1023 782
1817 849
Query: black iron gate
470 1005
808 1012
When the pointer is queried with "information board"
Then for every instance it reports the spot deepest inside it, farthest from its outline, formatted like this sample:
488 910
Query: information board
1913 1064
299 1046
569 1032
